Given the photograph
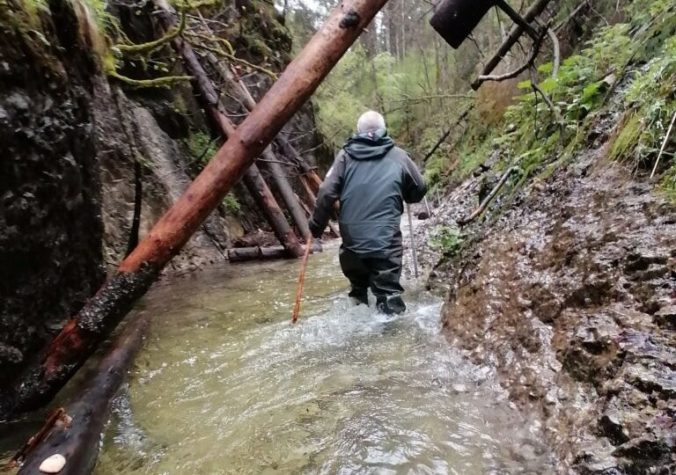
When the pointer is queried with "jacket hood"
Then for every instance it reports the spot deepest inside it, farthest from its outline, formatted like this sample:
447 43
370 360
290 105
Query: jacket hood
369 145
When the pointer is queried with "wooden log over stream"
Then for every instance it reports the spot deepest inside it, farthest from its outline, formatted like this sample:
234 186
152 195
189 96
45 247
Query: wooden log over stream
79 439
258 253
82 334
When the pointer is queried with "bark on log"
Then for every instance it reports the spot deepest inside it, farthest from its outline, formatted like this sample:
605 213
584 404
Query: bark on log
258 253
252 177
138 271
284 189
266 201
79 441
310 197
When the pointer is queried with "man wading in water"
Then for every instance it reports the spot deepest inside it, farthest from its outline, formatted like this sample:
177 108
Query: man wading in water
372 178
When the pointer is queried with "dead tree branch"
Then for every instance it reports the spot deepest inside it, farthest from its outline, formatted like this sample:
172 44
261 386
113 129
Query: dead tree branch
482 207
445 135
512 74
556 60
514 35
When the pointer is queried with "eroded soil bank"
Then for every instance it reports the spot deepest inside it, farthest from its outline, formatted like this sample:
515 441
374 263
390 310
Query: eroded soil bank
570 295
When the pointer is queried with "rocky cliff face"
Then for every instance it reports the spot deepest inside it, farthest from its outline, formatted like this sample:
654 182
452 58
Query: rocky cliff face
50 188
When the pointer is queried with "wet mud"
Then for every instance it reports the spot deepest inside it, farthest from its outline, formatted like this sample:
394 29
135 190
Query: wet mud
571 296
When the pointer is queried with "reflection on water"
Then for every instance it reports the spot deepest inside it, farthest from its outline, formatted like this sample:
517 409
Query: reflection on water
226 385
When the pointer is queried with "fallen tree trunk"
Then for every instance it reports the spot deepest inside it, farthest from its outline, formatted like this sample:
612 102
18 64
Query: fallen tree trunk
266 201
482 207
308 172
253 179
79 439
284 189
242 93
80 336
259 253
514 35
310 197
269 161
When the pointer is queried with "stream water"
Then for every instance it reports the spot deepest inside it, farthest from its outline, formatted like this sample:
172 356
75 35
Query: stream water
225 384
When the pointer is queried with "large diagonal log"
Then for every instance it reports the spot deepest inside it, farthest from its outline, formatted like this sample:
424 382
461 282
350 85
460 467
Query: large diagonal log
81 335
253 180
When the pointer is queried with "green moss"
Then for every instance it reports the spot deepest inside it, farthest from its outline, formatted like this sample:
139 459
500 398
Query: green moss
202 148
447 240
627 137
650 103
668 183
471 156
232 205
33 10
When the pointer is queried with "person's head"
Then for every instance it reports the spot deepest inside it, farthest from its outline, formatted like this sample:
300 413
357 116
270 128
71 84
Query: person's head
370 121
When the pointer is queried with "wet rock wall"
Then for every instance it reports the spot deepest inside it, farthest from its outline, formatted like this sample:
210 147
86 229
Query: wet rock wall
70 140
50 191
570 295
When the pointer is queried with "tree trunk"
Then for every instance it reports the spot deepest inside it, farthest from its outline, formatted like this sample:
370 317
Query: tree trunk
514 35
284 189
79 441
252 177
243 94
266 200
138 271
309 195
258 253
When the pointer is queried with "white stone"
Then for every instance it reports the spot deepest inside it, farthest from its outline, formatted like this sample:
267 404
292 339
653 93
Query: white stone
53 464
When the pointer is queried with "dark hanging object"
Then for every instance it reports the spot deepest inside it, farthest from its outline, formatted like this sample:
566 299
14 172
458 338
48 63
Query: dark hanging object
455 20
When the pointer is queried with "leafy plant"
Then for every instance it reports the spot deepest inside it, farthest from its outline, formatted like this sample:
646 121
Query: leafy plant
202 147
447 240
232 205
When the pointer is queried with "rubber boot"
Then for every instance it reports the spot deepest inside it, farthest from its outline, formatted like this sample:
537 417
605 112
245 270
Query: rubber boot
359 297
391 305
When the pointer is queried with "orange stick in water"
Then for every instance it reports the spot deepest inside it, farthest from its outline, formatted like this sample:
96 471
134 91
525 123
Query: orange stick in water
301 281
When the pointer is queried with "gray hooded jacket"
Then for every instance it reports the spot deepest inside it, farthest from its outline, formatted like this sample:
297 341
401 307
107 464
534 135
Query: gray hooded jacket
372 178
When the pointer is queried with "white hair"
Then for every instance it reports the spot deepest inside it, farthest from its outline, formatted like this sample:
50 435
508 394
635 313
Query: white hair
370 121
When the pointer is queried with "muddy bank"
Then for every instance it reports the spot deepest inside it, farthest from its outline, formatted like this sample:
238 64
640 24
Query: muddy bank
571 296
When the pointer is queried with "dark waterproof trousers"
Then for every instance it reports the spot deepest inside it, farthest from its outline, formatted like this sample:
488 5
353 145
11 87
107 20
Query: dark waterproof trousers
381 274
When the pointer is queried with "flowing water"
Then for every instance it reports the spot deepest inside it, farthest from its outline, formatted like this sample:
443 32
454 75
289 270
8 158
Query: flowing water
225 384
